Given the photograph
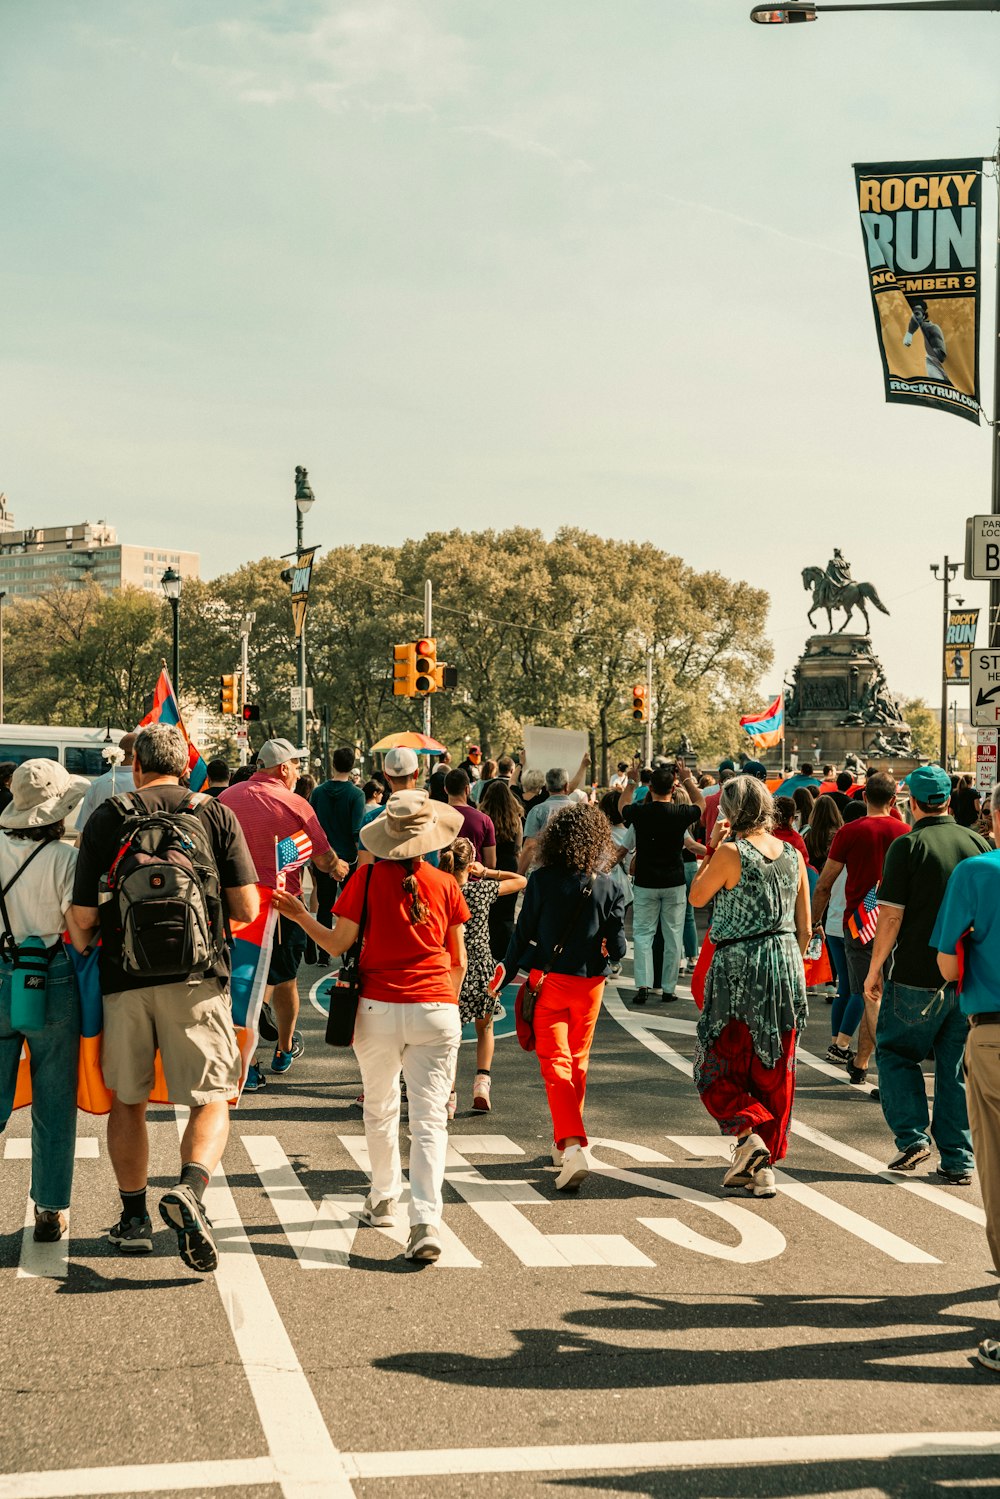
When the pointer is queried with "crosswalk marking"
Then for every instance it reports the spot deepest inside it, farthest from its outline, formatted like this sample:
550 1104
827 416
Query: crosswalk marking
44 1261
862 1228
497 1203
758 1239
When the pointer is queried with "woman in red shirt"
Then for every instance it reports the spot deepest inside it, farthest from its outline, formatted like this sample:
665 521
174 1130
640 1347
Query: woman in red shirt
412 966
784 825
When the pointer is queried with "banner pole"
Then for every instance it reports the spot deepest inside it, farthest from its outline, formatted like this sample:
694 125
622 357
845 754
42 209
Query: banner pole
994 618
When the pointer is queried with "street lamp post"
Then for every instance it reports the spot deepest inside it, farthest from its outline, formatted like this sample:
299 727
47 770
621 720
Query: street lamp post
171 585
945 572
304 501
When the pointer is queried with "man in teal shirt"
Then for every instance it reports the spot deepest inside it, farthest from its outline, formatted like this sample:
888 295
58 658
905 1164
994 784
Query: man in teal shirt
339 805
967 938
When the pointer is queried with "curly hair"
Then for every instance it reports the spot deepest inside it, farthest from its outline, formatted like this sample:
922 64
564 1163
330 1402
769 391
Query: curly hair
578 839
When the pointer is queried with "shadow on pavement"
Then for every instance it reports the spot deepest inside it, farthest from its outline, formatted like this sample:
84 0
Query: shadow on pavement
900 1478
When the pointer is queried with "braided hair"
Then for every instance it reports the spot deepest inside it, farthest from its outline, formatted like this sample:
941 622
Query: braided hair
418 908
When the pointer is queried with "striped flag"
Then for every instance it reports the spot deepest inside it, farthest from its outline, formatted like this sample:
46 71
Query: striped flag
290 853
165 710
768 728
862 925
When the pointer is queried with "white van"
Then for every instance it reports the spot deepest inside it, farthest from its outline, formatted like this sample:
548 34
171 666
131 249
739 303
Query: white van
79 750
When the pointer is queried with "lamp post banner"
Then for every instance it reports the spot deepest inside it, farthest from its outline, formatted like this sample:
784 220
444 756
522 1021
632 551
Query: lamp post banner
960 638
301 579
920 222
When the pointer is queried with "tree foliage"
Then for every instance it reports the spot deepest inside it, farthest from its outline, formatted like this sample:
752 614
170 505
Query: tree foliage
552 632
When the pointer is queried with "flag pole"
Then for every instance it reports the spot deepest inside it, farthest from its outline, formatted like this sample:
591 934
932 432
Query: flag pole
277 872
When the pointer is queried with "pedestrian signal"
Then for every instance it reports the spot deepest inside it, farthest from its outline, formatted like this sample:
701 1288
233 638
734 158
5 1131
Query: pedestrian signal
228 692
445 676
640 704
426 665
251 713
404 671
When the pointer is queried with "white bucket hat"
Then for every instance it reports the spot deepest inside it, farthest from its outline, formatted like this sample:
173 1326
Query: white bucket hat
412 824
43 793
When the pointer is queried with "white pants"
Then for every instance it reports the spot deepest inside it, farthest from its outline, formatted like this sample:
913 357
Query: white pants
423 1040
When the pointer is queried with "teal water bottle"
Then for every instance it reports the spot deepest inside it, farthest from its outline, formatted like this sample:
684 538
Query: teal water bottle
28 985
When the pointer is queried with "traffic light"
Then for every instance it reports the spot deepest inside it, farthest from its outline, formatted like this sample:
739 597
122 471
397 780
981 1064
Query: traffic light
426 665
228 692
640 703
404 671
251 713
445 676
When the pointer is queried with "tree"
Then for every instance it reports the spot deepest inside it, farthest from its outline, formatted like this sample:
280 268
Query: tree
925 726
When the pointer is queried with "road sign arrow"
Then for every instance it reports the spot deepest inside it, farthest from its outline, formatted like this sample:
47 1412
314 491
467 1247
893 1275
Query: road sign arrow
987 697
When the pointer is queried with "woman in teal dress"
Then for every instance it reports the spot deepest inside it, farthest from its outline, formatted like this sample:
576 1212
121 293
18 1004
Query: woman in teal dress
755 991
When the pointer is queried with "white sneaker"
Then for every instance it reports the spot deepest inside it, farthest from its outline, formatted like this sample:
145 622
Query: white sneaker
378 1214
763 1182
424 1244
557 1159
481 1093
747 1160
574 1168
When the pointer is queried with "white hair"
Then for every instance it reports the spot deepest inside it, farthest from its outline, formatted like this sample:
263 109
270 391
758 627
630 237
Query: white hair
748 805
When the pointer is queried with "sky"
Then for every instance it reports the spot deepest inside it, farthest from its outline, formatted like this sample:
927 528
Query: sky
483 263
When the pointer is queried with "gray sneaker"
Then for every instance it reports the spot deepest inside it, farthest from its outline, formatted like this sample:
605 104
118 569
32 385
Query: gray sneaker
132 1236
378 1214
424 1243
748 1158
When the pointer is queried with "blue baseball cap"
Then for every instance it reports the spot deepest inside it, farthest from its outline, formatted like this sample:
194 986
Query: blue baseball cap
930 785
756 769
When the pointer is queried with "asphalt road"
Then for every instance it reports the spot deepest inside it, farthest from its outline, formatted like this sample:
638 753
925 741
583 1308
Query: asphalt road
649 1337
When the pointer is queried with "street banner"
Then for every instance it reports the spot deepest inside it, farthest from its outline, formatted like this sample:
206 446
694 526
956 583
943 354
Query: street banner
301 578
768 728
986 760
920 223
959 641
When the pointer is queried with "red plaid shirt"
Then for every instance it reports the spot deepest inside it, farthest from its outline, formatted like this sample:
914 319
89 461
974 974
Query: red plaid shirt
265 810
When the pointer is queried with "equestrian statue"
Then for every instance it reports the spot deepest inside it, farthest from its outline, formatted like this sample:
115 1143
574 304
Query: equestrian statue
834 588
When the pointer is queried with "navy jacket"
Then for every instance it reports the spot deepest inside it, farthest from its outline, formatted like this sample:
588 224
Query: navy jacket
550 899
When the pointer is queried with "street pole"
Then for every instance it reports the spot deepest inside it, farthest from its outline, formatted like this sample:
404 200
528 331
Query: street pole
2 597
428 627
648 747
303 500
246 625
949 571
175 605
994 618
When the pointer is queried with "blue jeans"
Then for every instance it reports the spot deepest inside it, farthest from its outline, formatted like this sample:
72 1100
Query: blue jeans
54 1053
914 1024
690 926
664 909
848 1008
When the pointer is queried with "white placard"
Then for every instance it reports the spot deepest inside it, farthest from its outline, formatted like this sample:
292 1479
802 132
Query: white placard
545 749
986 760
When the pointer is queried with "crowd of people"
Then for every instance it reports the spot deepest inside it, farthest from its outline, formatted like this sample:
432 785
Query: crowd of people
492 875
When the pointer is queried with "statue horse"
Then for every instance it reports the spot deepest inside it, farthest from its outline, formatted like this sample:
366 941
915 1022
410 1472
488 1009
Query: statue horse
831 597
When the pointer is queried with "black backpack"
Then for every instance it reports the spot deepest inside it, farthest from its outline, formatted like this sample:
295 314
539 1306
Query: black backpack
165 901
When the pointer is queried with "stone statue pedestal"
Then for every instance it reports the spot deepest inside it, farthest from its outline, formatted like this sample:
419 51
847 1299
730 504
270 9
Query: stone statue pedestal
840 701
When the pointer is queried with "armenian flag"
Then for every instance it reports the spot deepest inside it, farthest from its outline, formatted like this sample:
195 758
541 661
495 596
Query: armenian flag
863 923
768 728
165 710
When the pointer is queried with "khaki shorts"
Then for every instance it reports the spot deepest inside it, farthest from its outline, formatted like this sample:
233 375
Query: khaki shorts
190 1024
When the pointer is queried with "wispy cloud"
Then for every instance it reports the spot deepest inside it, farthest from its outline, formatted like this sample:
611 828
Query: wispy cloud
738 218
524 144
382 56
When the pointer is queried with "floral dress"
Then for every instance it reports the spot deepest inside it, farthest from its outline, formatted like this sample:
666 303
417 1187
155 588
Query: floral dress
475 1001
756 974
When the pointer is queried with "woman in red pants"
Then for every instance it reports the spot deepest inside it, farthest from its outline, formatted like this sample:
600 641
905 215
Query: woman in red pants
755 993
572 929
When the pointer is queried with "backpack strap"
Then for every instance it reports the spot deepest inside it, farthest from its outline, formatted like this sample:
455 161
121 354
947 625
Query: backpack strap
8 942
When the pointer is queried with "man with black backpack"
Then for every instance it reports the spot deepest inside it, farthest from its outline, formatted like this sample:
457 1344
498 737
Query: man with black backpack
161 869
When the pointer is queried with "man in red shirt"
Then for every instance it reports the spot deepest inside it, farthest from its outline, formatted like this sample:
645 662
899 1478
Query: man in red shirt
267 810
859 847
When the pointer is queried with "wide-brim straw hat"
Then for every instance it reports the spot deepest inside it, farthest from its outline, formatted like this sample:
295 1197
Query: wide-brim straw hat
43 793
412 824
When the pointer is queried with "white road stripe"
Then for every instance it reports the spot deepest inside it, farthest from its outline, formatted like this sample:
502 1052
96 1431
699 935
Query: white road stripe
862 1228
64 1483
711 1454
306 1462
44 1261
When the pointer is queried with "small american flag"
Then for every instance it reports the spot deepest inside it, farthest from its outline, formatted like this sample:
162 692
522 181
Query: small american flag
862 925
290 853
